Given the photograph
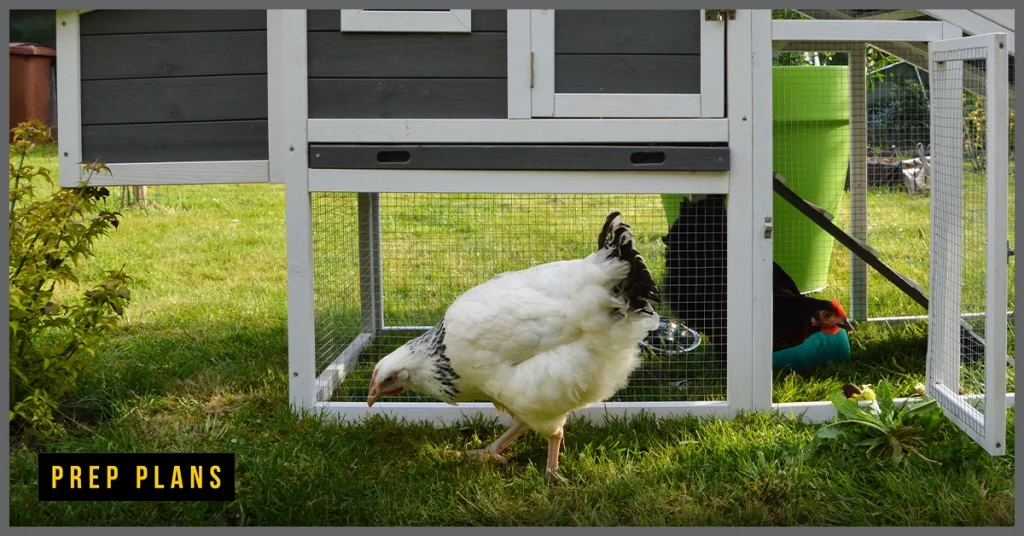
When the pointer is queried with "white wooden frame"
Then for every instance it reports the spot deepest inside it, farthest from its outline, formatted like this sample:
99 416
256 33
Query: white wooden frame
944 333
69 124
545 102
976 22
856 30
158 173
513 181
69 98
440 21
738 184
289 161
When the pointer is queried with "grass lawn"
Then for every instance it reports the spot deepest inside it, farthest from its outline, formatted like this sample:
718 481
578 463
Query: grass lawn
200 364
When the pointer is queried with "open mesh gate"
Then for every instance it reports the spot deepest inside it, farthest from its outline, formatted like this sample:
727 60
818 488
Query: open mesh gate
967 344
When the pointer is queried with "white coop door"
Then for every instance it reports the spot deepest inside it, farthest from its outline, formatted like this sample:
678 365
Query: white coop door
967 337
627 63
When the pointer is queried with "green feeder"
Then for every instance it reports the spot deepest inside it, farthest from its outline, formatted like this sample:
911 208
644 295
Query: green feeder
811 108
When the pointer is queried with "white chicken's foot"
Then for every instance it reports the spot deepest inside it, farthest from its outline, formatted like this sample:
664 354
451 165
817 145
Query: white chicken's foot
554 446
495 449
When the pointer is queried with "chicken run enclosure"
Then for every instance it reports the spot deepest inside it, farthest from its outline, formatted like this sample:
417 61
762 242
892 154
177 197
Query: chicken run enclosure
424 152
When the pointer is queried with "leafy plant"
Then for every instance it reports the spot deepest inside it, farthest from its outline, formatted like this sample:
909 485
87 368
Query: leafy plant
53 333
975 130
876 60
882 427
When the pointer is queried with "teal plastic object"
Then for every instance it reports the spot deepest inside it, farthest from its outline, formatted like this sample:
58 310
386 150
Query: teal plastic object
818 349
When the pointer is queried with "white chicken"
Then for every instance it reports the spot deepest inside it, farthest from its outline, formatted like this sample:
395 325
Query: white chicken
538 343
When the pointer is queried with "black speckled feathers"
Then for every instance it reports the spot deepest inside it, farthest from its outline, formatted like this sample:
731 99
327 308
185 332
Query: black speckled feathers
432 344
639 287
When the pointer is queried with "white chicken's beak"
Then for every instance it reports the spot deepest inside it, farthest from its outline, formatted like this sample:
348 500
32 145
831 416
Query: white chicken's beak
372 396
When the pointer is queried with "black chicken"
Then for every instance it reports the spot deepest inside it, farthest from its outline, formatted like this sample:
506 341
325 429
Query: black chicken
796 317
694 288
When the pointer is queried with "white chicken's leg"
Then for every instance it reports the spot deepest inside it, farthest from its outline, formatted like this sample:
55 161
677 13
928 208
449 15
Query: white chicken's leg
554 445
499 445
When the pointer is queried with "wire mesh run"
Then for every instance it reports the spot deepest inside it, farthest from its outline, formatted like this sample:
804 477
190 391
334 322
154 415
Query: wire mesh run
387 266
962 178
862 152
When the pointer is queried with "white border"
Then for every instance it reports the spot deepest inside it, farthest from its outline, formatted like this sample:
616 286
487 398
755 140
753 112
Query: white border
438 413
512 181
712 67
542 51
519 64
69 99
740 267
972 23
518 131
855 30
165 173
997 190
763 205
584 105
443 21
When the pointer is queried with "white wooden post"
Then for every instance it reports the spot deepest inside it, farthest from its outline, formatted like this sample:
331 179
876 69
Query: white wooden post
69 97
287 115
762 193
996 260
740 235
858 178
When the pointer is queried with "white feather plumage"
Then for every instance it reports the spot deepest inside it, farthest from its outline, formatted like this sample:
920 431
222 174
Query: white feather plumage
539 343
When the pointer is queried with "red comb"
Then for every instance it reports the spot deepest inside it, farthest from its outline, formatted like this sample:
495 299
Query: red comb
839 308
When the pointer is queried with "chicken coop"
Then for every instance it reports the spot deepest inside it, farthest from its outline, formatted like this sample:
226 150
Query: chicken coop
423 152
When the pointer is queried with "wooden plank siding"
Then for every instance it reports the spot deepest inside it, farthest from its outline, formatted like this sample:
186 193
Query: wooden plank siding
174 85
407 75
636 51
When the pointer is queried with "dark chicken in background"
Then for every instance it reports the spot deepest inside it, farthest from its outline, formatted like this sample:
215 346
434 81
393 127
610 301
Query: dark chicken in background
694 288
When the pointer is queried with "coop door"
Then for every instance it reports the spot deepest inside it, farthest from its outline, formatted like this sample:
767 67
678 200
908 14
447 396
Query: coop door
627 63
967 338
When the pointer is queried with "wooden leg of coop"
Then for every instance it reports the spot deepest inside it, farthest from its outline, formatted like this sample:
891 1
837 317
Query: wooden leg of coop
858 180
370 278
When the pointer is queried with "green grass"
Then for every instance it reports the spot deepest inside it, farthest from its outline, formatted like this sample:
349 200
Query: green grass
200 364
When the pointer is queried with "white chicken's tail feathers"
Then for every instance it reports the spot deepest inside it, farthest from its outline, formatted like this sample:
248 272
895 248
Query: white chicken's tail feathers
637 288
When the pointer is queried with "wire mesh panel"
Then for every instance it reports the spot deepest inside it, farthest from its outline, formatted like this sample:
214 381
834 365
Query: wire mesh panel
967 359
387 266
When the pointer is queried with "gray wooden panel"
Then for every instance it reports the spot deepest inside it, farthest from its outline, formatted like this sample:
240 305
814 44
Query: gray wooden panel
131 21
176 142
411 55
519 157
174 54
323 20
484 20
158 100
408 98
600 31
490 20
615 73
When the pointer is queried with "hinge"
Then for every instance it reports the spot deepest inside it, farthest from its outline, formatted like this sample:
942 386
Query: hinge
719 15
767 227
531 70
